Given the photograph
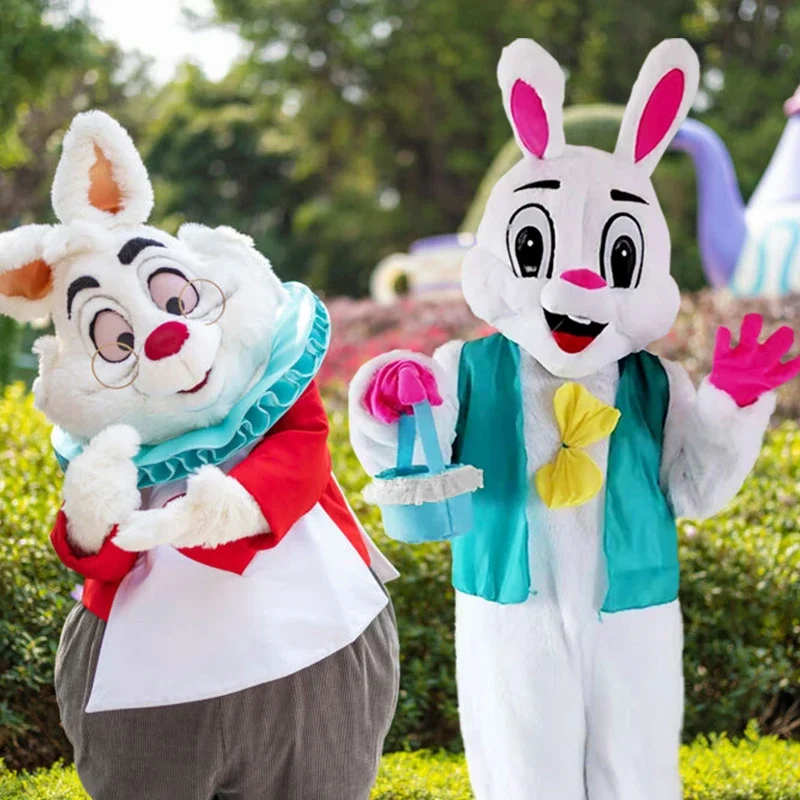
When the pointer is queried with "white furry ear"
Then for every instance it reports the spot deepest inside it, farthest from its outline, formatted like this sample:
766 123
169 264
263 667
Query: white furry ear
532 83
26 278
101 177
659 102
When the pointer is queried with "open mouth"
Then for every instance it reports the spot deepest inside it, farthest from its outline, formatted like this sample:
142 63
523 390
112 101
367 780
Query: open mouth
573 334
198 387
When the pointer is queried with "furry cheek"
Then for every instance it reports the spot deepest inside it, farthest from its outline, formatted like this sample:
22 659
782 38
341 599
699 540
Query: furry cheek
646 314
491 289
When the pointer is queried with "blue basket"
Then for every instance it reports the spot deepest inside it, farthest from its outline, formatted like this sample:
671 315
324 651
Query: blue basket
424 503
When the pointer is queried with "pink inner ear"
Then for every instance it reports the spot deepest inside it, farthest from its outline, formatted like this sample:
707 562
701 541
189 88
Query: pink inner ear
659 112
529 118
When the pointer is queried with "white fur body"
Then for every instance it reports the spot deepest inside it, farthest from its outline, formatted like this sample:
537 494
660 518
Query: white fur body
571 263
547 682
100 487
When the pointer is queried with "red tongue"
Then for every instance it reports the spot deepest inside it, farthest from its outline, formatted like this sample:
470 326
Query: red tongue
570 343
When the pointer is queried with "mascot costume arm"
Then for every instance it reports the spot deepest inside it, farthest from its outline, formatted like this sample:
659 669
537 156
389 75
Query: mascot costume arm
258 502
713 436
378 395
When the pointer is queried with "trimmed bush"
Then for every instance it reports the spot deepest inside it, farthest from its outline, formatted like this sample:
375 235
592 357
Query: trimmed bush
34 587
753 768
741 600
57 783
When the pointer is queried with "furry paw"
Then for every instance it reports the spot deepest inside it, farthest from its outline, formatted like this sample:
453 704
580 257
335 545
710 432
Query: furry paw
215 510
144 530
100 487
115 442
218 510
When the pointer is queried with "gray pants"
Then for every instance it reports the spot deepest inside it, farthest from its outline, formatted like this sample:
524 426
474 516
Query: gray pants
314 735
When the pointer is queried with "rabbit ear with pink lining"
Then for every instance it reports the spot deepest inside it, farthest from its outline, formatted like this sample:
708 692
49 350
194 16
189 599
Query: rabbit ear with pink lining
532 83
659 102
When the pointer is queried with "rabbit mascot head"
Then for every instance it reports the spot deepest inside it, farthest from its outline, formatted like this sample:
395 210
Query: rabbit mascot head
573 252
160 332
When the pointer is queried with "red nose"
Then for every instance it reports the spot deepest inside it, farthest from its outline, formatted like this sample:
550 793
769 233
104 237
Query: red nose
165 340
585 278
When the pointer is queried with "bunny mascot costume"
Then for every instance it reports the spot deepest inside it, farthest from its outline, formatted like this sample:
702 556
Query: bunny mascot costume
568 627
234 638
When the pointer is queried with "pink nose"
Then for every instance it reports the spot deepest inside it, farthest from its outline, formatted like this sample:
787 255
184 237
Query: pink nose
165 340
585 278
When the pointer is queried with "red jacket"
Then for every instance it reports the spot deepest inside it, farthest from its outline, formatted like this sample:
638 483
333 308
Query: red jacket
287 473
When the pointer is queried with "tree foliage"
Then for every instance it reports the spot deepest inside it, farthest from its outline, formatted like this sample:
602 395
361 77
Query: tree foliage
376 119
352 127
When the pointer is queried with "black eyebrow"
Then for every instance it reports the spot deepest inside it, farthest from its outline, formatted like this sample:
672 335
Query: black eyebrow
540 185
84 282
618 194
133 247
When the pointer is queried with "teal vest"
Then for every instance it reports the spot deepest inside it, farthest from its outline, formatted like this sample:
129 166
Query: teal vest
639 538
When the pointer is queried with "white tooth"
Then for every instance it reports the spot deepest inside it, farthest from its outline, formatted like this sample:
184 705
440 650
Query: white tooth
580 320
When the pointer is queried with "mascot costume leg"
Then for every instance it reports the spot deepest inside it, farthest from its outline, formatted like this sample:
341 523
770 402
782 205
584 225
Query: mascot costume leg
568 626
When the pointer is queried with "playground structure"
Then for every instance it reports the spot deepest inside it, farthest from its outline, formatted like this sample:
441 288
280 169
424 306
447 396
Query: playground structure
754 249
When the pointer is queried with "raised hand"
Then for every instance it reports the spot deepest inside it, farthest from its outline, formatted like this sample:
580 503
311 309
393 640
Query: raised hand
397 386
751 369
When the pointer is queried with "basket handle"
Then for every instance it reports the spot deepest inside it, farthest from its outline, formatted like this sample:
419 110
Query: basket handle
422 418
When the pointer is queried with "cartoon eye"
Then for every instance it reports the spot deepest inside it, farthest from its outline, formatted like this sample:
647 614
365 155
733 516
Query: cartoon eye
622 252
530 240
172 292
112 336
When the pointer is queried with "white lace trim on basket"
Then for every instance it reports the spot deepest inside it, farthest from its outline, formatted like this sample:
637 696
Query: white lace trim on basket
419 489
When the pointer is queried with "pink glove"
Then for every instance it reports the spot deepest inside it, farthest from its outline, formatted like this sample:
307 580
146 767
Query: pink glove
396 386
750 369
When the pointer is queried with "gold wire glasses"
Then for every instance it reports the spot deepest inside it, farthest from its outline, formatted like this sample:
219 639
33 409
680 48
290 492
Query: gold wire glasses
185 311
223 299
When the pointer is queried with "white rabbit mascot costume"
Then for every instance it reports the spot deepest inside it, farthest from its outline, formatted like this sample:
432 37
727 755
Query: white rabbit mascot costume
234 637
568 628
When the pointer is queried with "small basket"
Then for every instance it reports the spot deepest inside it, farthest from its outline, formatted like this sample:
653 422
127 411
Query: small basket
424 503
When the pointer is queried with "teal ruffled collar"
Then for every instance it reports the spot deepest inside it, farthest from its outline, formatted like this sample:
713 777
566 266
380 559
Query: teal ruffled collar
301 340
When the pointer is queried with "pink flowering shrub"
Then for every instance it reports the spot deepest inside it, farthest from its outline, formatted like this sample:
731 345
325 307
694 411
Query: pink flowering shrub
362 329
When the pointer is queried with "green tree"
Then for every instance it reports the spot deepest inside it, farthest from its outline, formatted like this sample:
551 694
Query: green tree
217 155
394 113
33 47
53 67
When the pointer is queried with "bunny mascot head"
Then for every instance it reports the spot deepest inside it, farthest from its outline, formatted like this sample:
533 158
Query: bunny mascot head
179 326
573 254
223 570
576 448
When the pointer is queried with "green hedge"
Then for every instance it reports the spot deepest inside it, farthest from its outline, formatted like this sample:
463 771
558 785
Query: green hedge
752 768
740 589
34 587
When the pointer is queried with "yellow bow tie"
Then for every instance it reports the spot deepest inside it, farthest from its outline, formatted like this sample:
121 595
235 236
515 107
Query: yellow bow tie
572 477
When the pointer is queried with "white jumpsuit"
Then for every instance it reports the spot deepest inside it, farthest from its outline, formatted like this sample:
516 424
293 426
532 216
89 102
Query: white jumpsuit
558 701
